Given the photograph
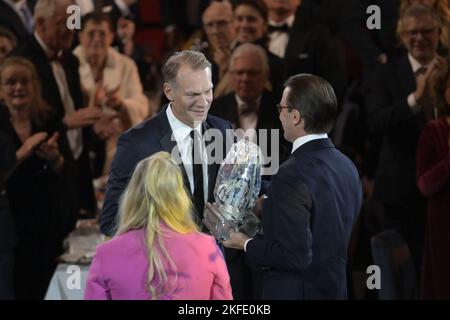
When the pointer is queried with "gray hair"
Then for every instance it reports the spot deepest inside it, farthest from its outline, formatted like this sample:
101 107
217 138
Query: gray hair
417 10
247 48
194 59
47 8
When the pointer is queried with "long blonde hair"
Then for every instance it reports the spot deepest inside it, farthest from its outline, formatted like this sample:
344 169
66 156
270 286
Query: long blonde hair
156 194
443 11
40 111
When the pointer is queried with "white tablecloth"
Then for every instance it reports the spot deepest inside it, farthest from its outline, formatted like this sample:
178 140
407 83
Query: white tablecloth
63 288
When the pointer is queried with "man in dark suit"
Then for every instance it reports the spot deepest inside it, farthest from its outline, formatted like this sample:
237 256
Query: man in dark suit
398 106
57 67
16 16
312 204
305 46
250 106
181 126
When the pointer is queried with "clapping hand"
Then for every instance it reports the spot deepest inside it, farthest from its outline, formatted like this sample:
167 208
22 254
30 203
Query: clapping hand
105 127
422 81
30 144
49 150
82 117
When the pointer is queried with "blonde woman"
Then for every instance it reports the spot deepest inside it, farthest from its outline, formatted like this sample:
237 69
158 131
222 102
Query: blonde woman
158 252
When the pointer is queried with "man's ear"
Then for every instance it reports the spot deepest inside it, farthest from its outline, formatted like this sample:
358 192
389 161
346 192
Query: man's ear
168 91
297 117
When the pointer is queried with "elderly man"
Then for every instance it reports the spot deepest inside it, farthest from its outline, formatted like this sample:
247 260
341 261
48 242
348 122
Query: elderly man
312 203
250 105
217 24
57 67
398 106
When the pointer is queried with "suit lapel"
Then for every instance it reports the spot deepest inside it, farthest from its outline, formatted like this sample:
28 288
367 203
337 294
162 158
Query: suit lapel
212 167
405 75
51 91
170 145
297 39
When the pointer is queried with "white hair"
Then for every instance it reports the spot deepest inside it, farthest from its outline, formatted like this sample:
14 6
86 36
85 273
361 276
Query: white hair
250 48
47 8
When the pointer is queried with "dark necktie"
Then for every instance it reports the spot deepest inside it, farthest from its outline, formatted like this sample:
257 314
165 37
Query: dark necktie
421 70
283 28
198 196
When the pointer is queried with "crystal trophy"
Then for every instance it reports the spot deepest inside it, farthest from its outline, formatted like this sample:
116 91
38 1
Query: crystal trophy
237 188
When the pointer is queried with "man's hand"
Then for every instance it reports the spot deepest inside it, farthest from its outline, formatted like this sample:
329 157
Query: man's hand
422 81
236 241
258 208
82 118
113 99
105 127
49 150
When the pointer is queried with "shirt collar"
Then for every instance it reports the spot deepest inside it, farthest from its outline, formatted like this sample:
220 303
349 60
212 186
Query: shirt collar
15 5
43 45
241 102
302 140
416 65
289 21
180 130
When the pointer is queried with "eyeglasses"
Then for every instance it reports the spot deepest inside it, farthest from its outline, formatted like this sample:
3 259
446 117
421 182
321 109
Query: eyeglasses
280 108
423 32
249 73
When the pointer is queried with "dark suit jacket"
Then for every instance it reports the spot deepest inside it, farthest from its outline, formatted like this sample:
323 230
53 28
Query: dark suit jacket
390 118
311 50
313 202
245 282
77 172
138 143
11 21
7 162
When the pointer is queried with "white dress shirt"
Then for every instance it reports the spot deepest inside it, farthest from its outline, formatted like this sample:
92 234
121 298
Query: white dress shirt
279 40
73 135
181 133
310 137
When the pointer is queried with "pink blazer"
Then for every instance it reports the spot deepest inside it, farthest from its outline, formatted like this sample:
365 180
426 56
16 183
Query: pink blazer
120 266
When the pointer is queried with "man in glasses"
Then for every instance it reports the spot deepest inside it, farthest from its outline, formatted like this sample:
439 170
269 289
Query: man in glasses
398 105
313 202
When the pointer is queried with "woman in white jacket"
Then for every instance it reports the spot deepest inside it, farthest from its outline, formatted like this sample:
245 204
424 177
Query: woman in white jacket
110 80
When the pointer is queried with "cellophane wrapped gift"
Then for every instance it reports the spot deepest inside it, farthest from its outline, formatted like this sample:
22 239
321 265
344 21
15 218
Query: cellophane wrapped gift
237 187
